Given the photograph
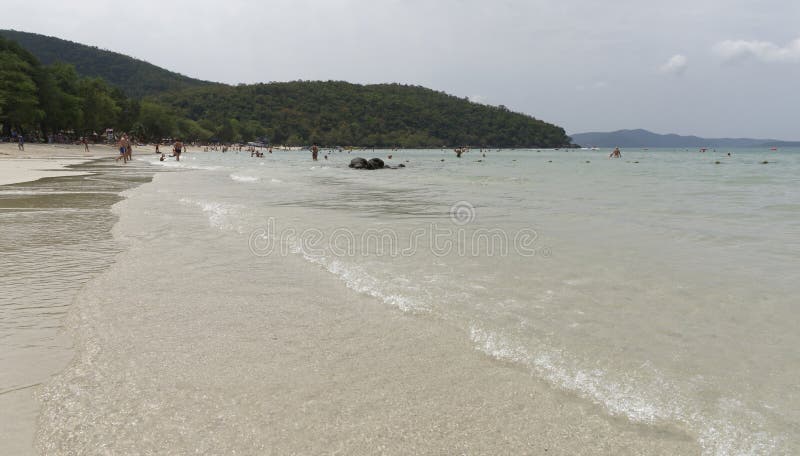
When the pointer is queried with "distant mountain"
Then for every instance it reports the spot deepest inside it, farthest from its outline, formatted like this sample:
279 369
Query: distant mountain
136 78
644 138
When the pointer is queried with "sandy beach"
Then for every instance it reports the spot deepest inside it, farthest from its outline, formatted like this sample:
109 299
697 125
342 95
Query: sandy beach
38 161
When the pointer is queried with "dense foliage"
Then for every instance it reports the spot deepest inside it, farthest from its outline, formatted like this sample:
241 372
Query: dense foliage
50 99
135 78
343 113
42 100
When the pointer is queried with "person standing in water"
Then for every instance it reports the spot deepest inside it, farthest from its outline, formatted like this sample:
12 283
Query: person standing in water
123 148
21 142
616 153
314 152
85 144
177 149
129 150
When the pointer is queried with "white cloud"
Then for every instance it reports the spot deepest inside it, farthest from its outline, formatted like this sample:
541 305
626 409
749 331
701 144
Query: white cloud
676 65
765 51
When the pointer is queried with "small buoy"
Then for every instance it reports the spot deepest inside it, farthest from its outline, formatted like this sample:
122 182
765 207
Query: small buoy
636 162
443 159
716 162
764 162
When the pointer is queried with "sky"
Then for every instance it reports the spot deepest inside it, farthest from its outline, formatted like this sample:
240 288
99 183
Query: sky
714 68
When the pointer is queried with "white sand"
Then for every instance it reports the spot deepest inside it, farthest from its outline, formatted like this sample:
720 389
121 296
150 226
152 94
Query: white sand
38 161
25 170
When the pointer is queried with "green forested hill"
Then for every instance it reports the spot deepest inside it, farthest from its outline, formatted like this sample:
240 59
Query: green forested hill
135 78
48 86
334 112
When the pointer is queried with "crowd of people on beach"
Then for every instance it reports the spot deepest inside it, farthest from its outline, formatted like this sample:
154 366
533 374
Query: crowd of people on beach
125 147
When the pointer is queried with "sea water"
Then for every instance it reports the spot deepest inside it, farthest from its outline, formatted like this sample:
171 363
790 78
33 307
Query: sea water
513 301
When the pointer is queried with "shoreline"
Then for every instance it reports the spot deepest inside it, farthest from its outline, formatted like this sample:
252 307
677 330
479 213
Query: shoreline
53 188
39 161
345 369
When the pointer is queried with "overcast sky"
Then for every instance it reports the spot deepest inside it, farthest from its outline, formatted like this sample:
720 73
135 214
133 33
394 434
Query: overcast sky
705 67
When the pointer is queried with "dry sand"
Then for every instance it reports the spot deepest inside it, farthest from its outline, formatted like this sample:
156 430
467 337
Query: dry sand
38 161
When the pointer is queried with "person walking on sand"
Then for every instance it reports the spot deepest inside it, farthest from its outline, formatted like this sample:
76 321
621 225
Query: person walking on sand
314 152
177 149
85 144
21 142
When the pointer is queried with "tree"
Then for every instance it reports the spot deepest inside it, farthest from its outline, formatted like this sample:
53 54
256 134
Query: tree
19 92
99 108
158 121
58 95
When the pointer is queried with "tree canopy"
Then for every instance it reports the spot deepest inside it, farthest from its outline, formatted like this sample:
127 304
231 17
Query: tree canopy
134 77
333 112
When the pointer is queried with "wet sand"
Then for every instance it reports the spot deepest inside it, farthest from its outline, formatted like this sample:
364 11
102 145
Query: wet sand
54 236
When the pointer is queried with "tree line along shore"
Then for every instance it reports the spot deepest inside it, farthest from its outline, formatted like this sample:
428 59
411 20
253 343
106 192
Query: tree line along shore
55 102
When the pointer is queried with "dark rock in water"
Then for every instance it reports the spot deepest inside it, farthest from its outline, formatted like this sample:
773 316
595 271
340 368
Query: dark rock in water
401 165
765 162
372 163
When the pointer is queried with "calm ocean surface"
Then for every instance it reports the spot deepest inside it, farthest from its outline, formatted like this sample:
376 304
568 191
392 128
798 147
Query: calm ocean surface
648 304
